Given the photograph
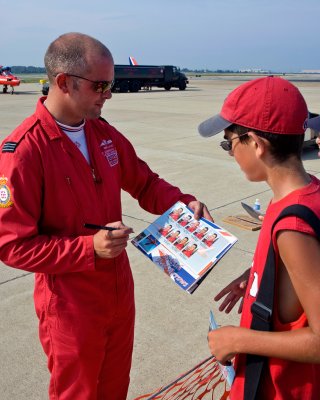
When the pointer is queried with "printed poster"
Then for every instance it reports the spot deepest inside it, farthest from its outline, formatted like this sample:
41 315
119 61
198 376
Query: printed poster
182 247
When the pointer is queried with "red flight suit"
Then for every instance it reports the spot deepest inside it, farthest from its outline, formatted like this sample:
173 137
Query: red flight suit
85 305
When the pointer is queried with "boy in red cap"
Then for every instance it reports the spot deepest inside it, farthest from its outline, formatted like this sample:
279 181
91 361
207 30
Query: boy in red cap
263 122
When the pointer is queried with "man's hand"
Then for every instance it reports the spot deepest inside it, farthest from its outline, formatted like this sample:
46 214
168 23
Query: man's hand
200 210
109 244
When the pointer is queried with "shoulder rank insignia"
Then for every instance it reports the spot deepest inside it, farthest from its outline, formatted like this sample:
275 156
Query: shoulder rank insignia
9 147
5 193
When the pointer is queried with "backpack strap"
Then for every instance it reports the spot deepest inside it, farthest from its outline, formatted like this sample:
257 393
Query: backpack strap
262 308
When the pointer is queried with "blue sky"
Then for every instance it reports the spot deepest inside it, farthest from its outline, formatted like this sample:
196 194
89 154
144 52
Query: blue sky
278 35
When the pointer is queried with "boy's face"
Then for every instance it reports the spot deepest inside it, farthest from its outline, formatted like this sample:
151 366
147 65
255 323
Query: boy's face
245 153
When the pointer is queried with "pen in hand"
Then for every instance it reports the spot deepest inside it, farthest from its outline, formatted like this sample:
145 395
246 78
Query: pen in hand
106 228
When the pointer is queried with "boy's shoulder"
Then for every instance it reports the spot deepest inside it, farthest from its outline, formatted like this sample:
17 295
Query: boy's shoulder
308 196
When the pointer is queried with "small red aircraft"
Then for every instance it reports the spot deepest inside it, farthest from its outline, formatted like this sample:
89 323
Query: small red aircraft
7 79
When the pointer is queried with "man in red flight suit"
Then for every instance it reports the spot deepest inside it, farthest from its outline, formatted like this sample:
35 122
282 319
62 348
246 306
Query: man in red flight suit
62 167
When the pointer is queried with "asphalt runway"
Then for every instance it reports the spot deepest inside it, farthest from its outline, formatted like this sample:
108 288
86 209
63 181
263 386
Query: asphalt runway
171 325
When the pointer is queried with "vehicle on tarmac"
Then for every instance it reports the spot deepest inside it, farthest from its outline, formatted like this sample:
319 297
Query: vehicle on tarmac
8 79
45 87
310 135
132 78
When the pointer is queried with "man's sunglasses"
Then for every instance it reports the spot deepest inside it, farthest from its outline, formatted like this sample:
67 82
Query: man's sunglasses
98 86
227 144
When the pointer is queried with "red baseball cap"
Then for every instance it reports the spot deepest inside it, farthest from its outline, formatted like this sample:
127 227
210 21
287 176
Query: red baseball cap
270 104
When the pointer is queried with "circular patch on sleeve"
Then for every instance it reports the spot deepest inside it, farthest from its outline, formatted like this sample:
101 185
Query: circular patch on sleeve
5 193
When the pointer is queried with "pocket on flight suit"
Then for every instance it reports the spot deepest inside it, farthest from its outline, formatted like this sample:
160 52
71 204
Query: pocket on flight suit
59 311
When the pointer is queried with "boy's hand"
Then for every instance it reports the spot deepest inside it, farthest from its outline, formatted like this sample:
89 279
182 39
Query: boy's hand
220 342
233 292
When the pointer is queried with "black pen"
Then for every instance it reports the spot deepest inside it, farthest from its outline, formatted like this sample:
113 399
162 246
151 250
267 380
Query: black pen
106 228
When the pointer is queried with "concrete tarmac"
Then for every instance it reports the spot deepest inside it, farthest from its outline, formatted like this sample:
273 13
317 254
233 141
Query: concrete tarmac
171 325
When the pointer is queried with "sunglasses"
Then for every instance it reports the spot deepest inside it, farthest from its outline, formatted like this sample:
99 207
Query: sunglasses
98 86
227 144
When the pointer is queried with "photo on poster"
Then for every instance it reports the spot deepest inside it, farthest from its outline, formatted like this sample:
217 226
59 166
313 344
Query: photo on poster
148 244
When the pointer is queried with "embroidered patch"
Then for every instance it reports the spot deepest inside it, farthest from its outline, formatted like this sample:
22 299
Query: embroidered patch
5 194
109 152
9 147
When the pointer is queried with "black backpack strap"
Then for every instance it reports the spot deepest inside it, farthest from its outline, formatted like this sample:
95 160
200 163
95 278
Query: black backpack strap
262 308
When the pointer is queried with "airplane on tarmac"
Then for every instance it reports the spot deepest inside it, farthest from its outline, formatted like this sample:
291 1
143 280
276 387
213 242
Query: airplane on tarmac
8 79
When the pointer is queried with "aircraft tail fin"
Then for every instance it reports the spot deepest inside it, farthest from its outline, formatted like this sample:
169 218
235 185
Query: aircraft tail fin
132 61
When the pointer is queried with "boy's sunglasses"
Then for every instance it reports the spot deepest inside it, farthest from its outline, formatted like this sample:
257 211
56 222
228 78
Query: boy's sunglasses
227 144
98 86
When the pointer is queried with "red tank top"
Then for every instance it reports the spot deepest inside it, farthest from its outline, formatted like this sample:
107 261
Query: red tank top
282 380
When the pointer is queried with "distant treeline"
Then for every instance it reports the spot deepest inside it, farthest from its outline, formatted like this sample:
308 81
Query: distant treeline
226 71
19 69
203 71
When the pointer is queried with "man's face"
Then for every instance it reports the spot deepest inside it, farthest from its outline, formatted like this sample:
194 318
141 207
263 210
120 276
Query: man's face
85 102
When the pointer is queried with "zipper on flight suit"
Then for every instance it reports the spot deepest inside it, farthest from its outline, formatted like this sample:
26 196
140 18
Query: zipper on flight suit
96 177
93 175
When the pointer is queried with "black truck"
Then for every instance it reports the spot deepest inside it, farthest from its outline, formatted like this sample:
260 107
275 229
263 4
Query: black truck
129 78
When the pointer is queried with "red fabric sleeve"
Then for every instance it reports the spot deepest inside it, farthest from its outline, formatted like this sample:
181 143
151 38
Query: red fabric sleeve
21 245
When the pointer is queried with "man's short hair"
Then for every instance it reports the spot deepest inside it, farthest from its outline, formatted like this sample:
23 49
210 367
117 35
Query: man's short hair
70 53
